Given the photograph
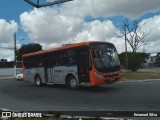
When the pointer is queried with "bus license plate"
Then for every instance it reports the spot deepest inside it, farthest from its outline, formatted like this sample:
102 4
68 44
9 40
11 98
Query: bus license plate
112 79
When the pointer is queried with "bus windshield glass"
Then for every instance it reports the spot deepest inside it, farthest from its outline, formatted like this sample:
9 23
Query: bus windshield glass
105 57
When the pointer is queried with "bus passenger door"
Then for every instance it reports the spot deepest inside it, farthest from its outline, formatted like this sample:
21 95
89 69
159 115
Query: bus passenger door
48 68
83 65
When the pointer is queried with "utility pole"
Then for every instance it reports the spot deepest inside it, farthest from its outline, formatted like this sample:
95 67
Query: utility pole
126 49
15 55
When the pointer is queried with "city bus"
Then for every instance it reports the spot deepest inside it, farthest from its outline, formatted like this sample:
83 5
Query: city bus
79 64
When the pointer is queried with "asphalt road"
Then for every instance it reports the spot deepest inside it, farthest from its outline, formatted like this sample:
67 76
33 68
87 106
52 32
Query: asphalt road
123 96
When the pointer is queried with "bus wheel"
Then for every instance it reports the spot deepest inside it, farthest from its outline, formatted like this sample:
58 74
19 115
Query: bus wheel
72 82
38 80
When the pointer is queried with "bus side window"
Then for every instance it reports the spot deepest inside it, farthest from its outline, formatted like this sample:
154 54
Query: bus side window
63 58
40 63
49 59
71 57
57 59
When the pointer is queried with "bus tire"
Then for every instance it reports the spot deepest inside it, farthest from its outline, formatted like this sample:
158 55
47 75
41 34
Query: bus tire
38 81
72 82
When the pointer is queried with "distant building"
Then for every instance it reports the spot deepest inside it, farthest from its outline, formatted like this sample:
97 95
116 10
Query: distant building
153 60
9 64
157 60
3 60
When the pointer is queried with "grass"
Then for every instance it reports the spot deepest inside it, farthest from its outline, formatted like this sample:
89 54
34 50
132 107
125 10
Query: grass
139 75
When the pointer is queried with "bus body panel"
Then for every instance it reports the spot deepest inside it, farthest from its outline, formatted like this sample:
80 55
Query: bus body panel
85 70
30 74
57 75
96 80
100 77
60 73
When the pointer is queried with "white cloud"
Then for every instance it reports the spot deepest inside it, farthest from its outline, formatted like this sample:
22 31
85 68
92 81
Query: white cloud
53 26
100 31
108 8
152 26
96 30
7 31
7 54
50 28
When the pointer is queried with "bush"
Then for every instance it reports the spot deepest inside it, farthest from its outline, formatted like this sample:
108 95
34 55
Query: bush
135 60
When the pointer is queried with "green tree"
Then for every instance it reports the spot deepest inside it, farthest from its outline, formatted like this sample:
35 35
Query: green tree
135 60
29 48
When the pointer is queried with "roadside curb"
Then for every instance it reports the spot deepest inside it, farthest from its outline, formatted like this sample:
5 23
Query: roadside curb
3 109
146 80
6 78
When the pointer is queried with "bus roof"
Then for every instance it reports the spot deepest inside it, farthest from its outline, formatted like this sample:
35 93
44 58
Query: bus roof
63 47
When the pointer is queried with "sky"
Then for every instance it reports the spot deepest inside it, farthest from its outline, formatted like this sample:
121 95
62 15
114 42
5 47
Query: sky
76 21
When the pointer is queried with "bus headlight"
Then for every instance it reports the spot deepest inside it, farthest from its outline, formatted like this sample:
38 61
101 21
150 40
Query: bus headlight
98 75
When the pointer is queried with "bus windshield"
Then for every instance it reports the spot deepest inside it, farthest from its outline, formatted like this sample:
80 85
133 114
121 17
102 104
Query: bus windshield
105 57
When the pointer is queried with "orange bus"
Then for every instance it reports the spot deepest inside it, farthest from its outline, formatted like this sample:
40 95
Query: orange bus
86 63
